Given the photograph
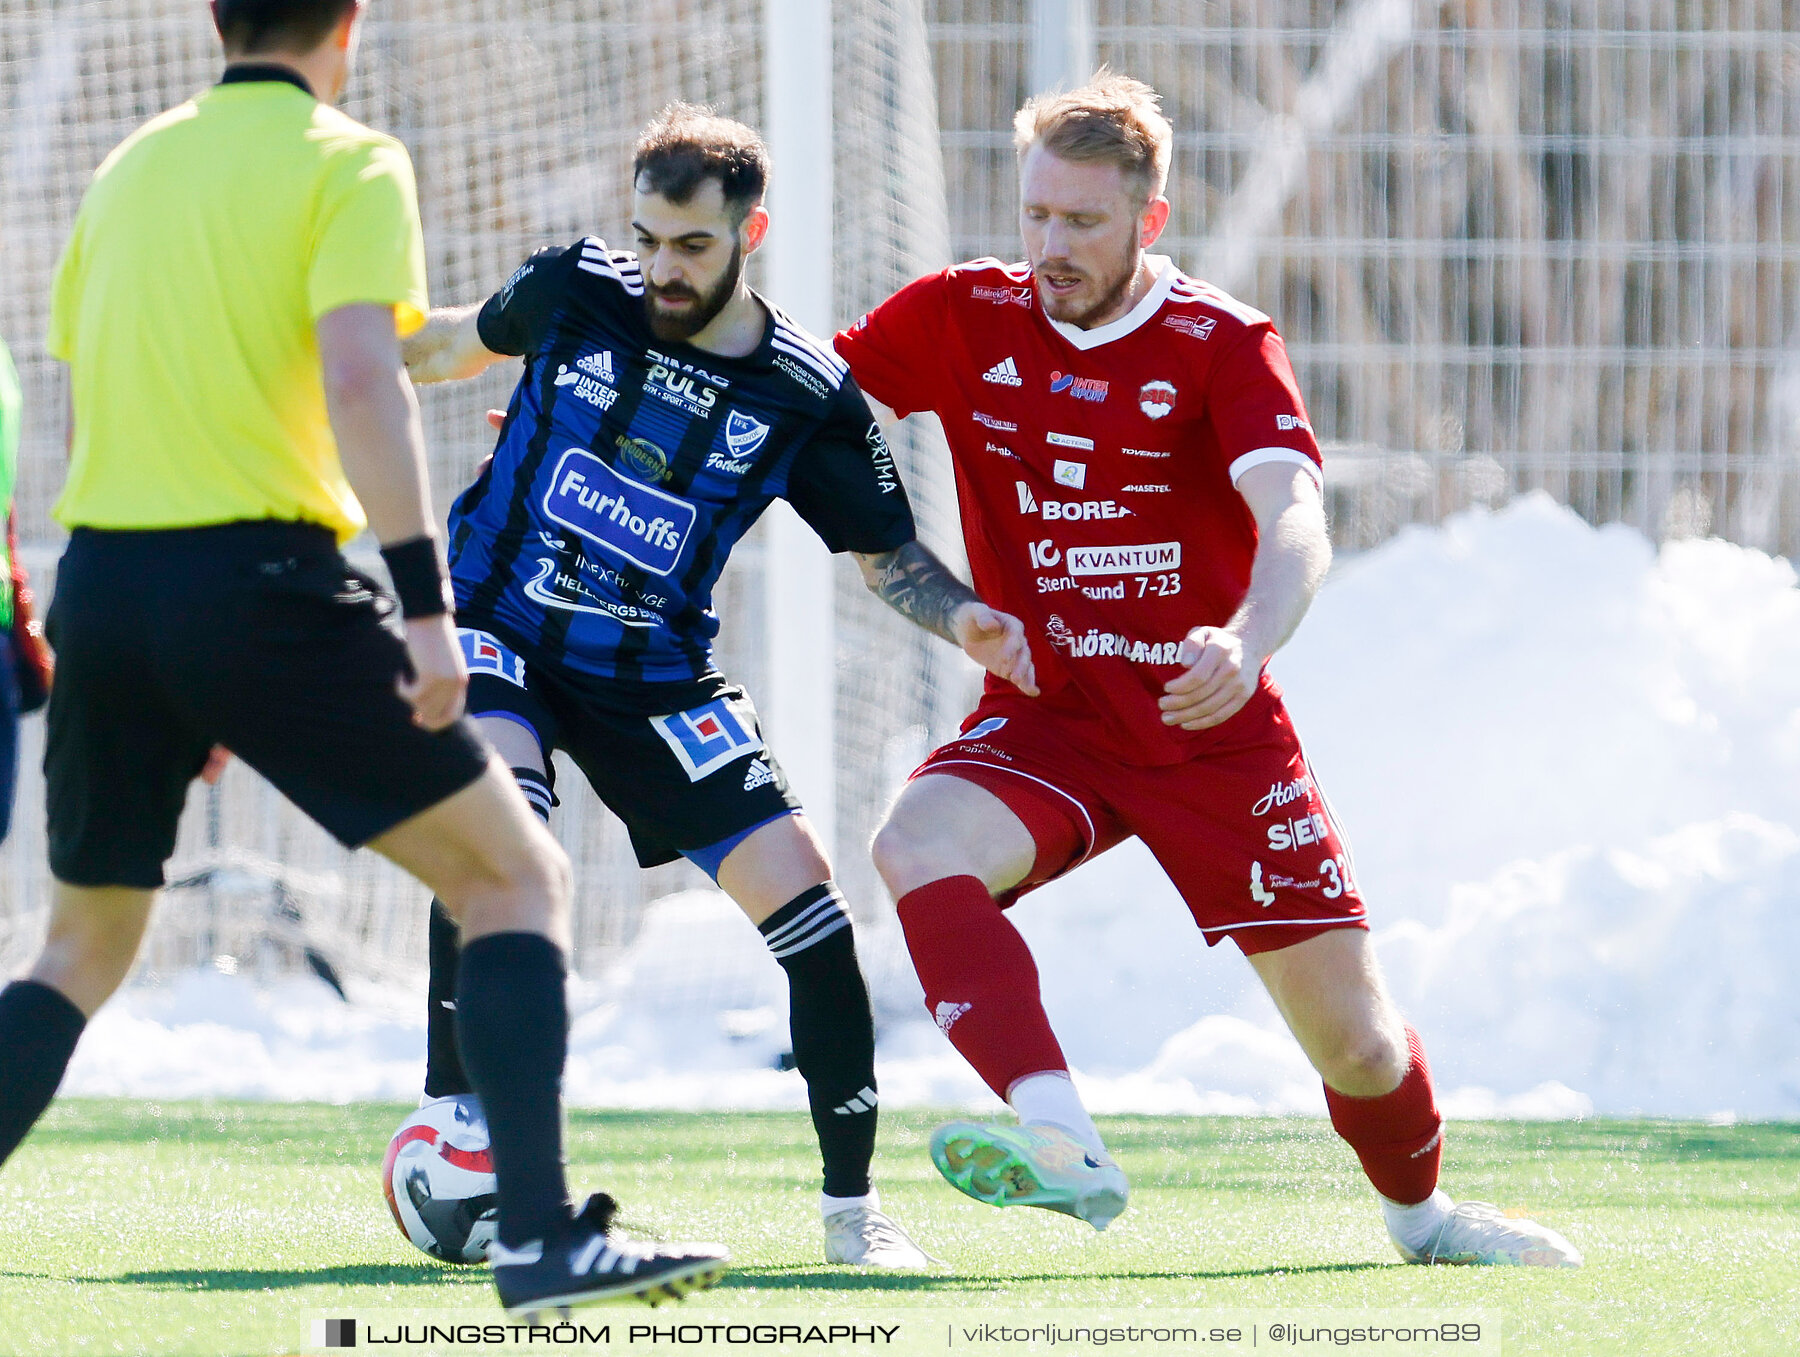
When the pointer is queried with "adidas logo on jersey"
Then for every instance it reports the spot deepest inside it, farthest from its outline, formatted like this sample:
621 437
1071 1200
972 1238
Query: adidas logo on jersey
1003 373
597 364
947 1013
759 774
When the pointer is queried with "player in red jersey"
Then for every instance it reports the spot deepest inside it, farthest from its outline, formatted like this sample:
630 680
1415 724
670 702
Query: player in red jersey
1139 483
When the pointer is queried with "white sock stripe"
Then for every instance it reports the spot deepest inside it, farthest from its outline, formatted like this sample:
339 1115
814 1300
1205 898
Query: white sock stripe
806 918
830 897
818 935
809 922
799 927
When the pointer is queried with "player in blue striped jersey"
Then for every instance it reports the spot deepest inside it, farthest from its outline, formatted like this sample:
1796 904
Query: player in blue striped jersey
663 404
632 461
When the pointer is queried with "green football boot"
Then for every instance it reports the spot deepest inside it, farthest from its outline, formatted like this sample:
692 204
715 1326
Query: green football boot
1035 1165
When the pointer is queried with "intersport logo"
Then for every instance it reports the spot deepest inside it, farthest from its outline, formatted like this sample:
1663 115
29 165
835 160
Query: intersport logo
1081 388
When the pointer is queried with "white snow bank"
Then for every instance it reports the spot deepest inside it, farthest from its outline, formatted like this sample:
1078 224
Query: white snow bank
1570 765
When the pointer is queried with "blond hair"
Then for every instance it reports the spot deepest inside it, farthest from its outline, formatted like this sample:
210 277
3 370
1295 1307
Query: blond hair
1112 119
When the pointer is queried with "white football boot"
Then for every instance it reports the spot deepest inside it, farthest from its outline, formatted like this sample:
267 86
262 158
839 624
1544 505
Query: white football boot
1480 1234
864 1237
1032 1165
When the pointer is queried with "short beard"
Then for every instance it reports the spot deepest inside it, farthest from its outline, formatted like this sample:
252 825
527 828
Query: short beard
676 329
1114 293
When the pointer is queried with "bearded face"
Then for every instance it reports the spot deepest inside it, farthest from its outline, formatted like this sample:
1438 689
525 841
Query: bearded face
1086 296
1082 224
681 307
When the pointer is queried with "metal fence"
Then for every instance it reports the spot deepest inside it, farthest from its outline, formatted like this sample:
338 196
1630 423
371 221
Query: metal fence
1510 243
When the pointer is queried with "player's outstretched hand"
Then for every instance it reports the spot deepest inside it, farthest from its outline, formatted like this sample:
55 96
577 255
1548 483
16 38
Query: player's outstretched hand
439 681
996 641
1216 684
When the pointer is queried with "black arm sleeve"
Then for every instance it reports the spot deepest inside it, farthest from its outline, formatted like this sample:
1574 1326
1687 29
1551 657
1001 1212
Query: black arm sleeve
515 319
845 485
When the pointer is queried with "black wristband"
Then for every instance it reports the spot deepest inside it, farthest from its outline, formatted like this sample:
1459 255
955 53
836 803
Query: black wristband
418 575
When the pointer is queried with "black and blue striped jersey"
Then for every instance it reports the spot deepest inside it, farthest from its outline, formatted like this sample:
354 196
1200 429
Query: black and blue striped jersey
629 467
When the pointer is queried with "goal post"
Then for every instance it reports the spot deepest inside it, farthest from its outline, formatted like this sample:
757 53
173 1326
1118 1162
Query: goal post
798 700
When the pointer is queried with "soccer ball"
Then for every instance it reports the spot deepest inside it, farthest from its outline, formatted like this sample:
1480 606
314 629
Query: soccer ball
439 1179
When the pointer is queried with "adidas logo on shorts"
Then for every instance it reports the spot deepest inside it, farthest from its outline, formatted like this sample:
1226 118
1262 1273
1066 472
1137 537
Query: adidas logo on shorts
1003 373
759 774
947 1013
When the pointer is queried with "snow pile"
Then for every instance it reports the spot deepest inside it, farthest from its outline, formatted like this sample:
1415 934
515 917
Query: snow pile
1570 765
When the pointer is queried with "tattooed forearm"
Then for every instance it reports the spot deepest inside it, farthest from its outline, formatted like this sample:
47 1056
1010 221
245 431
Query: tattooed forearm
917 585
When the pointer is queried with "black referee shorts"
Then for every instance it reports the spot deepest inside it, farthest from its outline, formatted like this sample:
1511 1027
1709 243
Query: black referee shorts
258 636
682 764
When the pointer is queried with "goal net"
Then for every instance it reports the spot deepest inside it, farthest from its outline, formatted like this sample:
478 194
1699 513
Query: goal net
520 118
1515 244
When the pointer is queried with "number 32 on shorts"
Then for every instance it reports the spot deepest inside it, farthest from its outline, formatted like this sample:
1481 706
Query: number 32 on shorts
1334 880
1336 871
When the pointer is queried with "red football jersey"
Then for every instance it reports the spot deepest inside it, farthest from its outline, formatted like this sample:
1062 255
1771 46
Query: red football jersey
1096 474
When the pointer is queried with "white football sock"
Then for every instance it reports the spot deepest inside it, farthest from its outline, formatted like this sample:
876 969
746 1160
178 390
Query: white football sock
1051 1097
830 1206
1414 1225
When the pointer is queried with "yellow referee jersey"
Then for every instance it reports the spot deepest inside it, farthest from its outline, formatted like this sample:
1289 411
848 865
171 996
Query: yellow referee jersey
209 243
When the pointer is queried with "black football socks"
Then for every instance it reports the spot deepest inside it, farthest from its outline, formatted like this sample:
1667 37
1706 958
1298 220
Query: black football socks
38 1031
444 1074
832 1029
512 1024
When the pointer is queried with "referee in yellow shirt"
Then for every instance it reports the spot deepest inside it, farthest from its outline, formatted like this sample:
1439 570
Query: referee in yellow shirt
230 304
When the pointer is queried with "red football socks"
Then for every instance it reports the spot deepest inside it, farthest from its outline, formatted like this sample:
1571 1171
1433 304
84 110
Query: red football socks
981 984
1399 1136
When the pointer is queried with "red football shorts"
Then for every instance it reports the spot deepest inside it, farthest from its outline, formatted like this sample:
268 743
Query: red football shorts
1245 834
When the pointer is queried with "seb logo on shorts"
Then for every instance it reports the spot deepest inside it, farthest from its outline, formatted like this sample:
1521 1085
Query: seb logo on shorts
636 521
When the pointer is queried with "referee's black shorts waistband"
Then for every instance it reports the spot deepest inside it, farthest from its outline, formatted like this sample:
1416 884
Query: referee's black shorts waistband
247 535
255 635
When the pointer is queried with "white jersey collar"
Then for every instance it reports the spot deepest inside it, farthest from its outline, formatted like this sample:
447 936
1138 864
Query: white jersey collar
1166 274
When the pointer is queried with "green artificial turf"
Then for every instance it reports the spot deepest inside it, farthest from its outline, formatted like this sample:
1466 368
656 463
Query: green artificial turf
212 1228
